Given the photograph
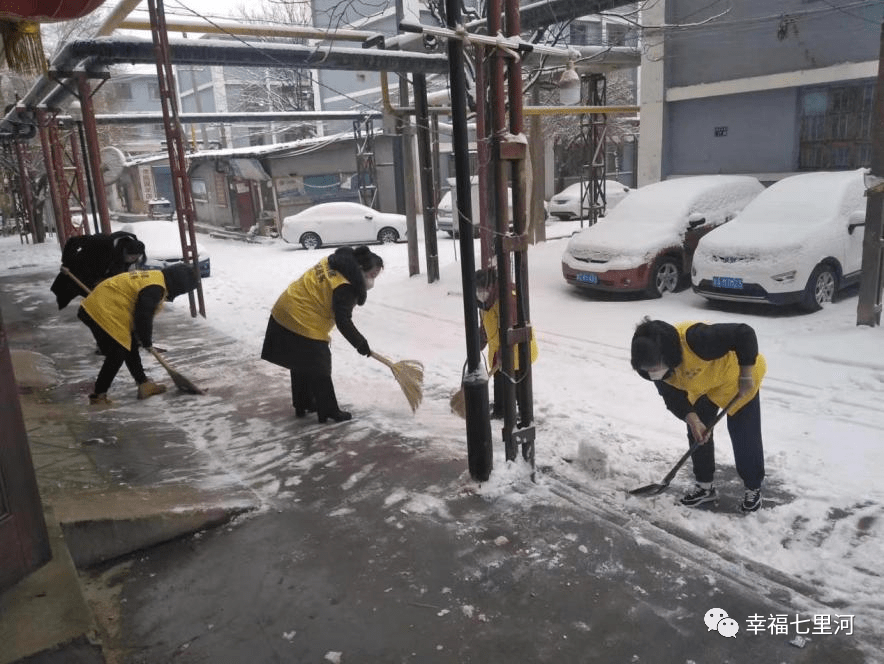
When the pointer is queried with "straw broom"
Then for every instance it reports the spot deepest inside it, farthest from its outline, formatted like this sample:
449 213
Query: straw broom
410 376
22 46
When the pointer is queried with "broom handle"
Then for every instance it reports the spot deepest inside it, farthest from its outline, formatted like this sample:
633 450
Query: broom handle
382 359
76 281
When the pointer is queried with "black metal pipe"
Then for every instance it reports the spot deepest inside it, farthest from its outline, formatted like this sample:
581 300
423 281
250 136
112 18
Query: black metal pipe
428 190
106 50
475 378
93 55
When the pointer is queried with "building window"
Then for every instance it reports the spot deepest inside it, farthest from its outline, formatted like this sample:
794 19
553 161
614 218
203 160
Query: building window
257 136
586 33
836 126
124 90
199 190
153 90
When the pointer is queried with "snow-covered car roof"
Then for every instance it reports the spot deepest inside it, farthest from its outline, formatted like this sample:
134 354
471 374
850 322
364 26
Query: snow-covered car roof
654 216
794 207
161 238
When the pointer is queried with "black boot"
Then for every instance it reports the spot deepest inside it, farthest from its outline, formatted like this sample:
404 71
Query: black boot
337 416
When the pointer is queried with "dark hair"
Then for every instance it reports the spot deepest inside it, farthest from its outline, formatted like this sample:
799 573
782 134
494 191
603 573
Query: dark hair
486 277
180 279
367 259
655 341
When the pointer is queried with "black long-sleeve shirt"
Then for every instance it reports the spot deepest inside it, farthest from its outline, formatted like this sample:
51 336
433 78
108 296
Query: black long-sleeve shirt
142 318
343 302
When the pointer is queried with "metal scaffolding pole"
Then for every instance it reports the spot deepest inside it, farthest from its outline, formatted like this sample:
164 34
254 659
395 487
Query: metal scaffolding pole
54 175
93 154
428 188
175 145
475 378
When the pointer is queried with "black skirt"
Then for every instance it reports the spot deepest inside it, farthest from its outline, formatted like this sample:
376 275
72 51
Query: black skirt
295 352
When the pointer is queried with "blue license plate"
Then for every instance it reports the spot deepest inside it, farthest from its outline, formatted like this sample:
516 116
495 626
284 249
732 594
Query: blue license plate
732 283
588 278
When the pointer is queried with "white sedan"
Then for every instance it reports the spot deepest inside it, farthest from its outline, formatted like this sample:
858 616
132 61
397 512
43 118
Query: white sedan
342 223
566 204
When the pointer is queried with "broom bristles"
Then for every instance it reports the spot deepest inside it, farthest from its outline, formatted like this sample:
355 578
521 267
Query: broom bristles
23 47
410 376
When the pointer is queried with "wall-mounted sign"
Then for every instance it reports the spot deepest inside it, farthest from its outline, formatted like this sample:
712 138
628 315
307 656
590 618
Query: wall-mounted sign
720 131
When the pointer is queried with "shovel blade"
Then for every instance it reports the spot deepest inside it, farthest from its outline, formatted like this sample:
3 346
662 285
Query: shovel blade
649 490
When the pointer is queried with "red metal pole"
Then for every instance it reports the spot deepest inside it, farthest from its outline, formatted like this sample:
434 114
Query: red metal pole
175 145
81 183
43 122
520 248
93 151
56 147
482 155
27 195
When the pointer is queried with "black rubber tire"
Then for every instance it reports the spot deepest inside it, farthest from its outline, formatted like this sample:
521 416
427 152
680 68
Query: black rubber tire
388 235
665 277
821 288
310 240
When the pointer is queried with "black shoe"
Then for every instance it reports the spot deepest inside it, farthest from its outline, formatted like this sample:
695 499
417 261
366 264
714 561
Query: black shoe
751 500
339 416
300 412
699 496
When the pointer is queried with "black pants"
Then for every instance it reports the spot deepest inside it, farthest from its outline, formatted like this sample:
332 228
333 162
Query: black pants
312 386
309 364
115 355
744 428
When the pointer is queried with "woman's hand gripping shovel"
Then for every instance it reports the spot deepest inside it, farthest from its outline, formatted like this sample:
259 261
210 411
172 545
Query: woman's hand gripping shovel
181 382
654 489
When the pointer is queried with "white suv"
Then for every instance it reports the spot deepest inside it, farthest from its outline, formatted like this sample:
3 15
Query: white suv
798 242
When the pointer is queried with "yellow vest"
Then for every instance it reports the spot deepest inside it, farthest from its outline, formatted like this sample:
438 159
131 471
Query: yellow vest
112 303
490 322
718 379
305 307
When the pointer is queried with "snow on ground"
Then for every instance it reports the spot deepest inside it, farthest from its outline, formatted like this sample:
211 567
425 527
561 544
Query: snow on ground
599 425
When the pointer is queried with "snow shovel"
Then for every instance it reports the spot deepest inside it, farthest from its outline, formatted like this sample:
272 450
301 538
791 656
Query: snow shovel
180 381
410 376
654 489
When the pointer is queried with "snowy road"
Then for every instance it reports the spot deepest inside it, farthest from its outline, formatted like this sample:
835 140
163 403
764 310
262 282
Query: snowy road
599 426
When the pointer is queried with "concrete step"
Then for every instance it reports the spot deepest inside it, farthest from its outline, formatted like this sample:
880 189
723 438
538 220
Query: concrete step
45 617
104 524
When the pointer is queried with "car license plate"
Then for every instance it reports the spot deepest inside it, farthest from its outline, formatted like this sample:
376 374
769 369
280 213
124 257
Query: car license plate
733 283
588 278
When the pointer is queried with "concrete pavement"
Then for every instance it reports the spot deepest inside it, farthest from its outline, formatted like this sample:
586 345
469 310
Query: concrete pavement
222 529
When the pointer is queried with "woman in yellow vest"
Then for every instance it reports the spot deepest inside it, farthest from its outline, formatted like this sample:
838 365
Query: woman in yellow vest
120 312
489 307
298 332
697 369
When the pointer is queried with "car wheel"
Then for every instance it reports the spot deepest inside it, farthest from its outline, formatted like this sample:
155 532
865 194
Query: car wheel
820 288
388 235
665 277
310 240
